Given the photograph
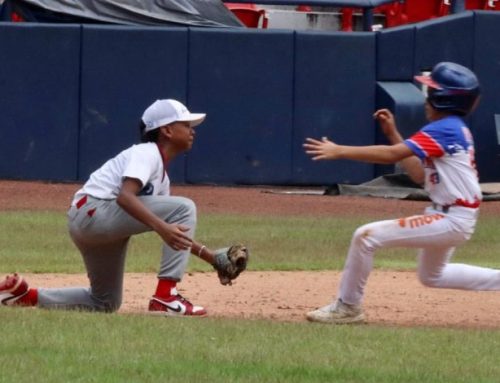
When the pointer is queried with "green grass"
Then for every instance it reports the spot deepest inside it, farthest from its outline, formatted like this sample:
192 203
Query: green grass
57 346
38 242
44 346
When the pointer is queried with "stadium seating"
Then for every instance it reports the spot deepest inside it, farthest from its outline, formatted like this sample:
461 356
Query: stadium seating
249 14
392 12
469 5
396 13
303 8
418 10
492 5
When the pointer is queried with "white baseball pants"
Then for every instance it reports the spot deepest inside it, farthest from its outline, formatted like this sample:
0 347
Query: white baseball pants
435 234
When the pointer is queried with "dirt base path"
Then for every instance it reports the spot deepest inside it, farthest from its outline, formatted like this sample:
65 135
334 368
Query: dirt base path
392 298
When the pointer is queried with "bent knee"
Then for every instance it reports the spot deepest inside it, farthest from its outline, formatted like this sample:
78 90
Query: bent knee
363 237
187 206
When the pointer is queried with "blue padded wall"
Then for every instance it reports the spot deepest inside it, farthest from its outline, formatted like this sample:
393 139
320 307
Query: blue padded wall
395 53
334 97
39 88
406 102
487 68
243 80
449 38
124 70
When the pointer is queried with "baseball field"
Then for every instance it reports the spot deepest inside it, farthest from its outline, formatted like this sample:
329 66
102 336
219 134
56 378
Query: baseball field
256 330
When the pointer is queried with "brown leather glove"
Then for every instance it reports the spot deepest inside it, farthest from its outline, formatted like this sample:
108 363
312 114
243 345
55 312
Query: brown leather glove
230 262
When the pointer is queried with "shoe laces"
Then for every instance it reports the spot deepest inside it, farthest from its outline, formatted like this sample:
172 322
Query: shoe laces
180 298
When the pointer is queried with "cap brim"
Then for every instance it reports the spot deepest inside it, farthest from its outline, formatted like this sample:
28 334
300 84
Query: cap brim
194 119
427 80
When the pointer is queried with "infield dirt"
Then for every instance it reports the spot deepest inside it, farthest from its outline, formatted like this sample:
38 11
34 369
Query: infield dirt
392 298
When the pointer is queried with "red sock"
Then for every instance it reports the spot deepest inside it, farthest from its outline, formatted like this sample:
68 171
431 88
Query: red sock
164 288
30 299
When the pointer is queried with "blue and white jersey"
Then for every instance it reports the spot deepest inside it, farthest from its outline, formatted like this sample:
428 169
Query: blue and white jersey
446 148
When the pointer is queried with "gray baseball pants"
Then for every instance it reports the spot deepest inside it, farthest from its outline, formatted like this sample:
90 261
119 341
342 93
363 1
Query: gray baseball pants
101 230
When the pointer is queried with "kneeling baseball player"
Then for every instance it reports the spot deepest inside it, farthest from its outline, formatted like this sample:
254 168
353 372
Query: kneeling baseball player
441 156
128 195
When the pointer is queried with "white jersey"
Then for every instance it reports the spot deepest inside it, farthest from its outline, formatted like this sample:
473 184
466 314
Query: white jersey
143 162
446 148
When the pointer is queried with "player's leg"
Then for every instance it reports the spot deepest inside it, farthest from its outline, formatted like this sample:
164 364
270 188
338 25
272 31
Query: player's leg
434 270
412 232
103 250
178 210
174 210
167 300
110 221
415 232
104 263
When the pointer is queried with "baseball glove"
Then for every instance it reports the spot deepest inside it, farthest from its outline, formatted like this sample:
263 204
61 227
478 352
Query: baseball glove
230 262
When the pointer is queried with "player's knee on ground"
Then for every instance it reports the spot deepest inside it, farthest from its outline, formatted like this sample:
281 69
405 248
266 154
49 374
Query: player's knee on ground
107 304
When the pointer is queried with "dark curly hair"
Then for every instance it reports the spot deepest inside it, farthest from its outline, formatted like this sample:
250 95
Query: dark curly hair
151 136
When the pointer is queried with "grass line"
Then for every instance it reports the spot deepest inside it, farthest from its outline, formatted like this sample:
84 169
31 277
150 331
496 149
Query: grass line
38 242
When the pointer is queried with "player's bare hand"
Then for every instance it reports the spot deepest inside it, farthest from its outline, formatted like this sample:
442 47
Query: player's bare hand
323 149
386 121
175 236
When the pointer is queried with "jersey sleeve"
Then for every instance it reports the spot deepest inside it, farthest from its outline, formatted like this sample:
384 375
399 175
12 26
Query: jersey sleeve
428 142
141 164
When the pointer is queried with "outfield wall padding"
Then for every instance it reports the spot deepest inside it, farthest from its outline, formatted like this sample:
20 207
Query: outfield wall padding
395 53
39 101
334 97
406 101
487 67
449 38
124 70
71 96
244 80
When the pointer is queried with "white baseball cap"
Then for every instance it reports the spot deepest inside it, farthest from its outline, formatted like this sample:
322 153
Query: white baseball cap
164 112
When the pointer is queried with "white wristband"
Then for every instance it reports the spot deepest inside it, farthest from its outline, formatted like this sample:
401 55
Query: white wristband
201 250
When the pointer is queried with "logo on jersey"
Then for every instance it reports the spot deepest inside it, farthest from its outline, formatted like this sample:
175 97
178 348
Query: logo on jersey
434 178
420 220
147 190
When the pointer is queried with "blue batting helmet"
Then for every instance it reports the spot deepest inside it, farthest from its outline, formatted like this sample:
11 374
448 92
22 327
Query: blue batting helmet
452 88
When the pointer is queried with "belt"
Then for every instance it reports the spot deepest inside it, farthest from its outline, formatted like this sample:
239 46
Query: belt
458 202
444 208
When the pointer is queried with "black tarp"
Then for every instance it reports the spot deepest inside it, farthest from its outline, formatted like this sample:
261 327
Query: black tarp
400 186
202 13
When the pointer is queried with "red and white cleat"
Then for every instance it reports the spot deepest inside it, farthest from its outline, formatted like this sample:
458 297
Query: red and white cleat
175 305
12 288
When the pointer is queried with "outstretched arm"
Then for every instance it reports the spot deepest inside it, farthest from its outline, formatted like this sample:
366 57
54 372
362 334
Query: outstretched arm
325 149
